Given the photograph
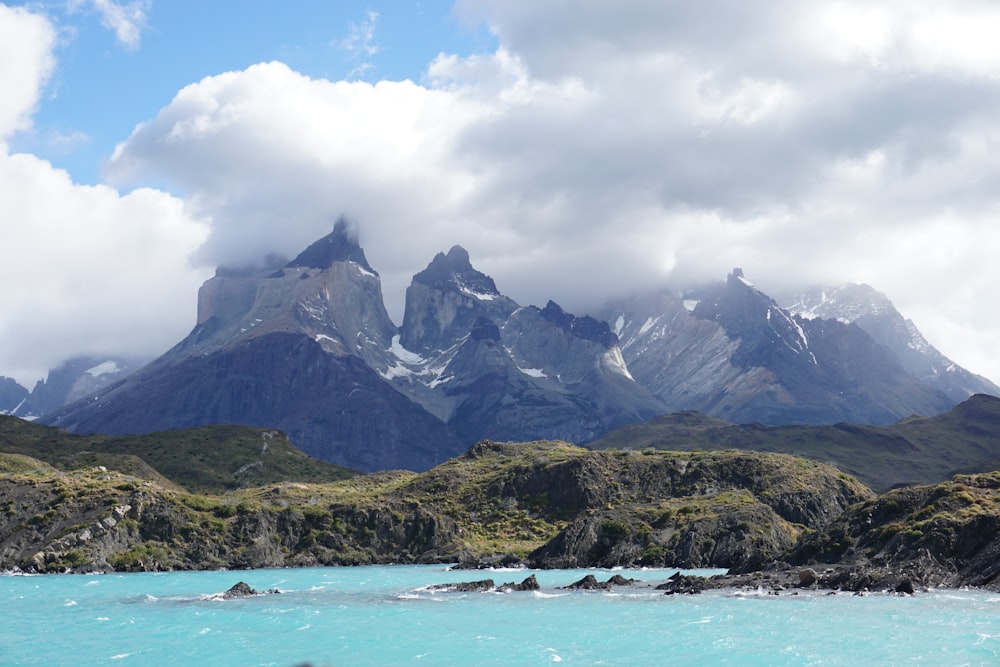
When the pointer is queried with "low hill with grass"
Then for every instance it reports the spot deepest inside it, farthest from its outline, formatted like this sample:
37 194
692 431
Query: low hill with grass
204 459
546 504
945 534
917 450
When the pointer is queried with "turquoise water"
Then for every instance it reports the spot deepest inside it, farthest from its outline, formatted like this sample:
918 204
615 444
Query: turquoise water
385 616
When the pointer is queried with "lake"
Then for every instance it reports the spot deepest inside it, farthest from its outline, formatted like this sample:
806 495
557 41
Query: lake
385 615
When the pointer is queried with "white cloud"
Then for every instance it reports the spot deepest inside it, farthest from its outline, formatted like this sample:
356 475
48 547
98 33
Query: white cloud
606 147
126 20
86 270
26 62
360 43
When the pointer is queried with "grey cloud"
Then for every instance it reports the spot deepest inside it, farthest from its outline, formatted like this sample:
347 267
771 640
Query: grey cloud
607 147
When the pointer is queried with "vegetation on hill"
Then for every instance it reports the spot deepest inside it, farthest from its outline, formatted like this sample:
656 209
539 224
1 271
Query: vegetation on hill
86 503
548 504
945 534
204 459
917 450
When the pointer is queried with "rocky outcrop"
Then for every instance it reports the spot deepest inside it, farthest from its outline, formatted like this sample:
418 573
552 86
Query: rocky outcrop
944 534
241 589
530 583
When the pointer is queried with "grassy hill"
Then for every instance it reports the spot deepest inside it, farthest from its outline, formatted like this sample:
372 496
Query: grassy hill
917 450
549 503
204 459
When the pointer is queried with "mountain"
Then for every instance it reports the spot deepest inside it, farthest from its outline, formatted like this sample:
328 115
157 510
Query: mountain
916 450
307 347
491 369
72 380
296 347
12 395
873 312
731 351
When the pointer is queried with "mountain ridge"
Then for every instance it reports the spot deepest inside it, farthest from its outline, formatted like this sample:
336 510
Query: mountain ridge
469 363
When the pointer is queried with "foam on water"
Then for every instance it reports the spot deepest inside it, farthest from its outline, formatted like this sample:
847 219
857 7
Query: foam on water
381 616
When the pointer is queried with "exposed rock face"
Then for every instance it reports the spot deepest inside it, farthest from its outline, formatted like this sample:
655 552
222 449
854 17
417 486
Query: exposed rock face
334 408
74 379
11 395
730 351
873 312
444 301
945 534
765 517
298 349
491 369
307 346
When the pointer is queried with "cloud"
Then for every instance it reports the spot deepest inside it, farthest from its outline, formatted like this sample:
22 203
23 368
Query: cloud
26 63
606 147
602 148
86 270
126 20
360 43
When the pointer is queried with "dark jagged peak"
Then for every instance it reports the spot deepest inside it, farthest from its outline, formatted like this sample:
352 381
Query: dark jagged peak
485 329
737 278
455 271
585 327
340 245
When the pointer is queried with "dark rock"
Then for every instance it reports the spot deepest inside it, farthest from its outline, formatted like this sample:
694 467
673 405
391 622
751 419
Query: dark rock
239 590
340 245
529 584
589 583
807 577
905 586
619 580
684 584
480 586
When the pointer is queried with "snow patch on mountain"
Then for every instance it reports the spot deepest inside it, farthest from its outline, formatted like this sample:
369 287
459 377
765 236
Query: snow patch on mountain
105 368
647 325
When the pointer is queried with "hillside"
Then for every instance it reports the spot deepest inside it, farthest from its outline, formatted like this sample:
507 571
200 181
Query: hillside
945 534
205 459
545 504
917 450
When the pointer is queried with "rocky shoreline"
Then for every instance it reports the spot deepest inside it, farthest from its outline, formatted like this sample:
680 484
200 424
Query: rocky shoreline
780 580
766 518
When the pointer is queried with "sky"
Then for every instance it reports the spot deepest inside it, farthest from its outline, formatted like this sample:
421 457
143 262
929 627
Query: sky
578 149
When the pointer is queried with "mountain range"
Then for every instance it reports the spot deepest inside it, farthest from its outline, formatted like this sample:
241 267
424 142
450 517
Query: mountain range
307 347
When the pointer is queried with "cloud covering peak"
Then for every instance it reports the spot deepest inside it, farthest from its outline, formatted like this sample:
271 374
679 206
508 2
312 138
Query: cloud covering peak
609 147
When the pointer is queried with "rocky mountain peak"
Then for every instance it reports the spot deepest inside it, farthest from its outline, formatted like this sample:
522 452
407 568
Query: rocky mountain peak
340 245
445 301
454 271
585 327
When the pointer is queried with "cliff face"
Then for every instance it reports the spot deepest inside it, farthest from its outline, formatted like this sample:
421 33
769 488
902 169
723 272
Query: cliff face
945 534
731 351
551 504
545 505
